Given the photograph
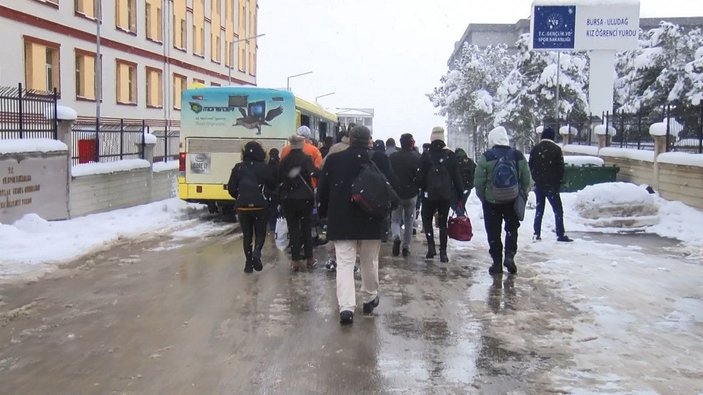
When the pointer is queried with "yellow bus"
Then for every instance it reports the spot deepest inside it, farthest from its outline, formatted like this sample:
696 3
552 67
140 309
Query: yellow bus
216 123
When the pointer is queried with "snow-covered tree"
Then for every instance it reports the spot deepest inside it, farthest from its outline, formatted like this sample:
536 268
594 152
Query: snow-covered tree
662 71
527 97
466 95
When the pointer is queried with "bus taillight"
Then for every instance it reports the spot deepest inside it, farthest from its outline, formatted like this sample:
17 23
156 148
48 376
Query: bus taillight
182 161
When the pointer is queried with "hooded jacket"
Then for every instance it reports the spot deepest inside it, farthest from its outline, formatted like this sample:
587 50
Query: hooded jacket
498 140
547 163
251 180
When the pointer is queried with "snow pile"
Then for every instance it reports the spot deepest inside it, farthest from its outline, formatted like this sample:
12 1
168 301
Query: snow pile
63 113
149 138
681 158
619 204
88 169
568 130
34 244
574 160
600 130
15 146
165 166
659 128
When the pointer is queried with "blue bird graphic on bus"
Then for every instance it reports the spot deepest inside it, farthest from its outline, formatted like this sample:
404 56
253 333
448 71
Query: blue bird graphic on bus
253 116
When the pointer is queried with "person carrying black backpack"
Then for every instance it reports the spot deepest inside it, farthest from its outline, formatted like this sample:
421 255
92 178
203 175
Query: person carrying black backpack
297 199
250 184
502 174
439 179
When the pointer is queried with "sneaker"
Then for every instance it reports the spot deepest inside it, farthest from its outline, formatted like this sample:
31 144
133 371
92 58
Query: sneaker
495 269
331 265
406 252
346 317
368 307
396 247
536 237
564 239
256 263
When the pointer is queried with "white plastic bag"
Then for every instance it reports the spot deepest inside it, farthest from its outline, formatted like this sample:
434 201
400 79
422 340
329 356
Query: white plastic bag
281 233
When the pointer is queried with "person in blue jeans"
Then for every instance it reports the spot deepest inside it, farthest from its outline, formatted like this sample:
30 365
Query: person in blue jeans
547 169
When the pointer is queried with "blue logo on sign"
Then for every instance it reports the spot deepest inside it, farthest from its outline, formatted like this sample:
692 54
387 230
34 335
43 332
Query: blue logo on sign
554 27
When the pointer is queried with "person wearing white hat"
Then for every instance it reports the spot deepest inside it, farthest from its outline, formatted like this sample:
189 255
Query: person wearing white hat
501 175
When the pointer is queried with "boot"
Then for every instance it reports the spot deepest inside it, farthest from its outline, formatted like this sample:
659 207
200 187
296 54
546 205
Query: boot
256 261
496 267
310 263
249 263
443 255
396 247
509 262
431 251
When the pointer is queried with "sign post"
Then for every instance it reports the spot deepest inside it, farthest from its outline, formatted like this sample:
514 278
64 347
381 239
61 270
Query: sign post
580 25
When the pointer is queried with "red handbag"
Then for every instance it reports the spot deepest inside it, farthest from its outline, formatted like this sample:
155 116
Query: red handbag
459 228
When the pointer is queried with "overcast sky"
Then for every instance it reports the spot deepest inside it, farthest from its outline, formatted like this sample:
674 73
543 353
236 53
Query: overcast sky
384 54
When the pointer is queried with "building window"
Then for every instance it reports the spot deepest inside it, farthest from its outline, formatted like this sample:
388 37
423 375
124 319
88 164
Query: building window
126 82
85 75
154 25
179 85
214 84
126 15
215 31
198 27
41 65
154 88
85 7
180 33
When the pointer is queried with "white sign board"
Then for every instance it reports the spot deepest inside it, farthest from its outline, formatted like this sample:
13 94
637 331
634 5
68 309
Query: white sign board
581 25
607 27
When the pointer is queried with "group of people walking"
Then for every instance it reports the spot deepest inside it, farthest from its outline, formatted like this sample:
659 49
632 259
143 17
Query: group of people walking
306 180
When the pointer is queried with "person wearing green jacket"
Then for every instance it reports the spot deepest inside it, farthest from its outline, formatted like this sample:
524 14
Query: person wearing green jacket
501 173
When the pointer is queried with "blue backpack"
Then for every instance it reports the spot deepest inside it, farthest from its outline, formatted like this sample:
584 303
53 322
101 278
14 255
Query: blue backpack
504 180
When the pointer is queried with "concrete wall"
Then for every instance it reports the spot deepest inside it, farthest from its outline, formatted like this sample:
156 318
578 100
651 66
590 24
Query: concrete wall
679 182
103 192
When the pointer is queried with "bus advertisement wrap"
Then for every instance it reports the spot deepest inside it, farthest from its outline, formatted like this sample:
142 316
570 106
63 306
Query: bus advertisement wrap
248 112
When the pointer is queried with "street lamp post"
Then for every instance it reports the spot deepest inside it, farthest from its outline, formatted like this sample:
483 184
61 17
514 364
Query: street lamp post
231 54
326 94
293 76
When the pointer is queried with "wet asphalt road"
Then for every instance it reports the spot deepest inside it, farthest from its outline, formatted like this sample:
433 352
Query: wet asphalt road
180 317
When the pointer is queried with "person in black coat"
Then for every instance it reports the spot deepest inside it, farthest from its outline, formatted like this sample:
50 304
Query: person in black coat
547 169
405 164
443 161
250 183
467 168
297 199
351 229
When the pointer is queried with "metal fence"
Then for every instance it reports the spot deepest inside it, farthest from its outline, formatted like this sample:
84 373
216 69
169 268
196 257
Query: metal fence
27 113
167 142
108 140
683 127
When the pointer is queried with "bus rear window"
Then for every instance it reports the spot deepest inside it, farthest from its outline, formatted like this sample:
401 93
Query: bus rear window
237 101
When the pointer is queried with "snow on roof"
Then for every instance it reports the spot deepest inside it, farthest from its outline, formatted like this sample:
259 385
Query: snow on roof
87 169
681 158
14 146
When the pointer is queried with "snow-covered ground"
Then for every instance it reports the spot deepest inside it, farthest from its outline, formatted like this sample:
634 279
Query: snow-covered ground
635 304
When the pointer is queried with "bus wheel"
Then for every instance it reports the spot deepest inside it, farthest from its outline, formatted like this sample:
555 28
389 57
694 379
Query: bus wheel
212 208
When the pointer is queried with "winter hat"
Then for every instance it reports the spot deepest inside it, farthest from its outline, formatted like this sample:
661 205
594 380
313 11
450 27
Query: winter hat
379 145
498 136
437 134
360 135
304 131
296 141
548 133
